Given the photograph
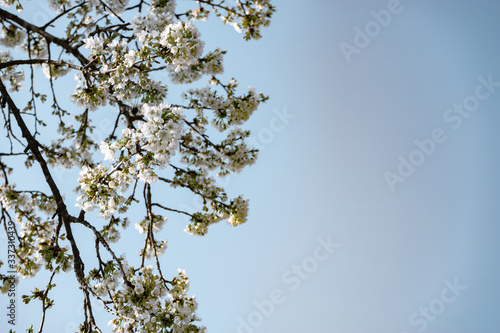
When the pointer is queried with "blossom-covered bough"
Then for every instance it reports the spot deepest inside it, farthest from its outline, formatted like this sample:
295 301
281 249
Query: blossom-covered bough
115 49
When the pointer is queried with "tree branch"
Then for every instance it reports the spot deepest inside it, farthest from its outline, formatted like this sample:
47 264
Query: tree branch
62 43
39 61
64 217
106 245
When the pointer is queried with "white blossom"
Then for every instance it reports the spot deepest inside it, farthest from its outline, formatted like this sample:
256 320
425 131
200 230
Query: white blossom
93 43
11 35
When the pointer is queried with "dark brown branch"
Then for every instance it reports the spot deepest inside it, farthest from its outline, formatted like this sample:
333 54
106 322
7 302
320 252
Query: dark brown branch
106 245
89 316
62 43
64 217
171 209
62 14
12 154
39 61
33 146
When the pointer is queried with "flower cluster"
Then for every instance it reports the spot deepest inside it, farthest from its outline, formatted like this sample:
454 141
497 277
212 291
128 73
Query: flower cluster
153 249
59 5
182 40
91 97
12 36
235 213
161 13
38 47
8 3
102 187
228 111
215 200
239 211
54 71
256 14
149 306
122 76
11 74
157 224
231 155
110 7
110 231
72 148
36 234
161 131
210 64
151 145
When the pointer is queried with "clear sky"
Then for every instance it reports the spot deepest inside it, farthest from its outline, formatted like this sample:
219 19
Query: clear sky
374 201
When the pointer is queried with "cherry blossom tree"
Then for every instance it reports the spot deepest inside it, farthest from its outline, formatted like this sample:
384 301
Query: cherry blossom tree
115 49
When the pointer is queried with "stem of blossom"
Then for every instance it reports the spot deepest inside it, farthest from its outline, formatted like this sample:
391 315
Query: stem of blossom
111 10
204 136
110 172
44 297
106 245
171 209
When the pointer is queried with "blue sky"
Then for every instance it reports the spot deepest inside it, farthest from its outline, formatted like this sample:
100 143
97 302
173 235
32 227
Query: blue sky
422 256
